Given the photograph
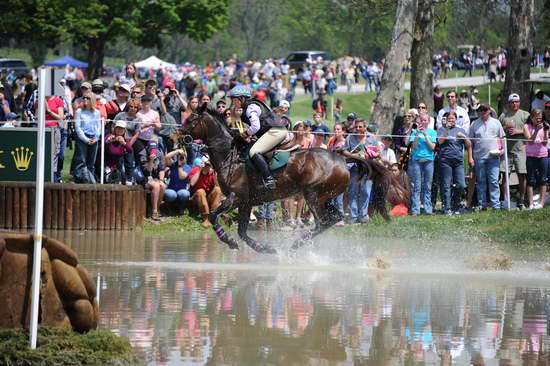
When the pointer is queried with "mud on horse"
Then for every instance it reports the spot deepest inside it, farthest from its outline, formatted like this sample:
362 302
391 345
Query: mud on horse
318 174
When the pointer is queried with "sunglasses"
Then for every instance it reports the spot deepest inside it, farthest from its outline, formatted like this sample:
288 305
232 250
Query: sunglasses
422 107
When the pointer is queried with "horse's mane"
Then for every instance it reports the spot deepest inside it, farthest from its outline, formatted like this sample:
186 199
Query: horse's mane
220 118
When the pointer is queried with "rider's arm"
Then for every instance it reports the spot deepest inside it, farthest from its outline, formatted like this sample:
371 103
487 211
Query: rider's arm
253 113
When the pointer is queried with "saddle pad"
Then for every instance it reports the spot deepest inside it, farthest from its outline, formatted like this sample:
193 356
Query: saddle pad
279 159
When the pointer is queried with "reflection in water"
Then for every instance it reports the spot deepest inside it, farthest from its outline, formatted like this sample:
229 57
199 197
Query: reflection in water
183 316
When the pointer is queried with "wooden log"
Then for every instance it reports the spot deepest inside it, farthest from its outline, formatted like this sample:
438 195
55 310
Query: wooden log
88 210
47 209
3 206
112 197
118 211
132 210
24 207
93 208
69 213
9 208
62 209
82 210
32 198
141 212
55 207
124 207
76 210
16 209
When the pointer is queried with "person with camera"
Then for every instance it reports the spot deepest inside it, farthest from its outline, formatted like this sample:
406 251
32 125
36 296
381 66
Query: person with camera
206 193
421 164
117 146
535 131
452 140
178 187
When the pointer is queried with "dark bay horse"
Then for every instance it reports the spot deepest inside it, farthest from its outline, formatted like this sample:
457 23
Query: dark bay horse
318 174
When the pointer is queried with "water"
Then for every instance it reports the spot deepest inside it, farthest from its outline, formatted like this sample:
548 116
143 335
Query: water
184 299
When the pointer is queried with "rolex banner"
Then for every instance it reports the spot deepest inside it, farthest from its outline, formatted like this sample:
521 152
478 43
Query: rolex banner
18 154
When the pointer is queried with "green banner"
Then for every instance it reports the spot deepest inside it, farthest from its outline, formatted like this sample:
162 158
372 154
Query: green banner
19 154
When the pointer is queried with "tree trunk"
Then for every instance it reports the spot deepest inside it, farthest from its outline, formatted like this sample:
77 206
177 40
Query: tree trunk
96 54
421 56
390 97
520 50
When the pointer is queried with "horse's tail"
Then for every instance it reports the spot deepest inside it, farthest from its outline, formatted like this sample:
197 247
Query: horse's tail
381 180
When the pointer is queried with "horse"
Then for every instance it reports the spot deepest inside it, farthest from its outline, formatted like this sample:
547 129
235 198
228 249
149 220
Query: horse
318 174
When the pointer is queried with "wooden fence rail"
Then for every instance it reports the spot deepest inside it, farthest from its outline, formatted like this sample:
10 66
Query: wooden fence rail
73 206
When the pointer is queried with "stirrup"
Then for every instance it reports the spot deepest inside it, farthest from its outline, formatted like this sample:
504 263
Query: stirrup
270 183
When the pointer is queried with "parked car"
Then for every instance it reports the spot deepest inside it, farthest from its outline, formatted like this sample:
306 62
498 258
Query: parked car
8 64
299 58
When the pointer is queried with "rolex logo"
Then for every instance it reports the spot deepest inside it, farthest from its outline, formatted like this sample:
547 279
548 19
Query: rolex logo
22 157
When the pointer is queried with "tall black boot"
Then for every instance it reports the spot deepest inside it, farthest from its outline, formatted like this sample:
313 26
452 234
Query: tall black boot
260 163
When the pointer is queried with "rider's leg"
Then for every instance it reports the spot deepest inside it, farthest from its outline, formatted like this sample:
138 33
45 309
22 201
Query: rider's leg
268 141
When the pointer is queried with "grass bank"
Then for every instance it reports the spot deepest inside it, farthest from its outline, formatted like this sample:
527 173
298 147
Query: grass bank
522 228
64 347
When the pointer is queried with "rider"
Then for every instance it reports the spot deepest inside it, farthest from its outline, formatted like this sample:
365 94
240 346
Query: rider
264 124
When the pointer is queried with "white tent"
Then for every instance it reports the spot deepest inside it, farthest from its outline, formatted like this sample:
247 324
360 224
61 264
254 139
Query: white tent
155 63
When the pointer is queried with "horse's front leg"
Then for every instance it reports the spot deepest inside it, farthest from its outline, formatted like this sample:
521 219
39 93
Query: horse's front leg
226 206
244 217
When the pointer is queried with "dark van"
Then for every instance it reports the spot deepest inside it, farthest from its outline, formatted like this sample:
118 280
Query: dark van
8 64
299 58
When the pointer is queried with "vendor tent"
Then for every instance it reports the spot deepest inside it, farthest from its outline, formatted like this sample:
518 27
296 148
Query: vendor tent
66 60
155 63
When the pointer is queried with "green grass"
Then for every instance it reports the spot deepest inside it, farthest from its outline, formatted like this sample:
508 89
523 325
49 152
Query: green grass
59 346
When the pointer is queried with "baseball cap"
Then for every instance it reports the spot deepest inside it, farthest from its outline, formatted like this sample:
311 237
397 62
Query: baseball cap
11 115
197 162
307 123
86 85
284 103
125 87
97 82
537 91
171 85
547 104
221 102
352 116
146 98
372 127
121 124
63 81
514 97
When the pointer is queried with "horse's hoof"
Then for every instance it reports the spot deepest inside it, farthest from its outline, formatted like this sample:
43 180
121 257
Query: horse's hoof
232 244
264 249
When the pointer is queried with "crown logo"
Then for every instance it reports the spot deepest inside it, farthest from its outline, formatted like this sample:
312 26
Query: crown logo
22 157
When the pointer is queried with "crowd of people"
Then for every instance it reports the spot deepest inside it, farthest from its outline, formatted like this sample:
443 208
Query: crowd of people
122 134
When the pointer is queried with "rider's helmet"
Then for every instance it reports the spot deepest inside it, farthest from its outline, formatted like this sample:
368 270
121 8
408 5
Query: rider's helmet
240 91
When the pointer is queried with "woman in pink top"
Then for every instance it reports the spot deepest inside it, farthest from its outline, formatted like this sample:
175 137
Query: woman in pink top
536 134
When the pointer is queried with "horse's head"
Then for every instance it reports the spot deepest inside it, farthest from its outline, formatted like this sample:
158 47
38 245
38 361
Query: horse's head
196 125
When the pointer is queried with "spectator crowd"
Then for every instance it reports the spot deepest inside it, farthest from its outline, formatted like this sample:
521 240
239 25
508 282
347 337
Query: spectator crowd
454 154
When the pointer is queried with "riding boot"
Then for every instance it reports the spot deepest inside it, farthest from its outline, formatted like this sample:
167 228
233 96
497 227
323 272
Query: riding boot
260 163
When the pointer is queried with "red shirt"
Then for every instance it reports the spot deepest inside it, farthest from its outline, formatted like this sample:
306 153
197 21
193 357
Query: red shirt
206 181
53 105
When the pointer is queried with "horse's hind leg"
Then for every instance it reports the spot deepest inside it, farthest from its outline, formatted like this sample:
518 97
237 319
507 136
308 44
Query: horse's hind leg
225 206
244 217
326 215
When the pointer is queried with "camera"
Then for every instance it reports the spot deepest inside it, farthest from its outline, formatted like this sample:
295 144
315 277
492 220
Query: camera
414 126
546 125
187 139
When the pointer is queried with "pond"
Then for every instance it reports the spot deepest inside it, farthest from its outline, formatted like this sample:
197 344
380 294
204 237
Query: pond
185 299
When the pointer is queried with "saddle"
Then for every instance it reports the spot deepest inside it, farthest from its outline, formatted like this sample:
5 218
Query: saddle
278 157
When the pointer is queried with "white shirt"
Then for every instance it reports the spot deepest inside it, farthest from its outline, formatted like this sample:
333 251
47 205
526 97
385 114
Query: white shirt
462 120
253 112
389 154
539 103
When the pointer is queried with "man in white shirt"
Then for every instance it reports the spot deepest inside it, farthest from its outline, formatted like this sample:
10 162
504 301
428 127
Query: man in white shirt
462 120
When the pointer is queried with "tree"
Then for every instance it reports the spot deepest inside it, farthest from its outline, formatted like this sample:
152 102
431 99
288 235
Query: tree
422 55
520 50
390 97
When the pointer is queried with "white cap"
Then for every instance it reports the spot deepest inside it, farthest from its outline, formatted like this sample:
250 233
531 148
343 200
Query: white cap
120 123
284 103
513 97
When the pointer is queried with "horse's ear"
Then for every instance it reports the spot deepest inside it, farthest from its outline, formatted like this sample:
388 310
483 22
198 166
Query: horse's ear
202 108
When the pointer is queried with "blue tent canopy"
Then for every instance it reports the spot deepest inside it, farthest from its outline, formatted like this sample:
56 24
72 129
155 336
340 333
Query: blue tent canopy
66 60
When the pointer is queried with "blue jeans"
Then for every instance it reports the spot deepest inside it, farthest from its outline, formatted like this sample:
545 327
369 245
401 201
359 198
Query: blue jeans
487 171
61 156
181 195
359 193
421 178
339 203
84 158
451 172
265 211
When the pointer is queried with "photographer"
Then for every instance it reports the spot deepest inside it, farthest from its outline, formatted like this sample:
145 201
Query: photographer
178 187
421 166
205 189
536 134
